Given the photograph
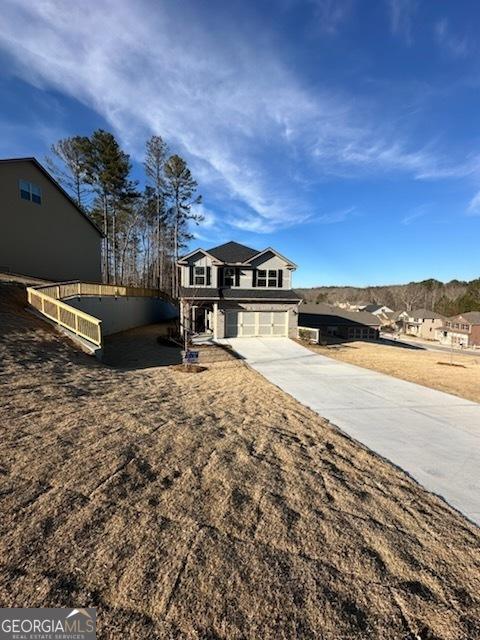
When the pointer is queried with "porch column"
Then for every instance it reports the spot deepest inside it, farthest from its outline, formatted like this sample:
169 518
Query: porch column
215 320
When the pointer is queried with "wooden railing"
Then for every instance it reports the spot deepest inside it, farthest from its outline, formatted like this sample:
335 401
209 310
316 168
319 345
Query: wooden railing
48 300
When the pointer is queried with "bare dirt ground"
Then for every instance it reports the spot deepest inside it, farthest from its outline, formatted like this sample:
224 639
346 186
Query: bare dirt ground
210 506
415 365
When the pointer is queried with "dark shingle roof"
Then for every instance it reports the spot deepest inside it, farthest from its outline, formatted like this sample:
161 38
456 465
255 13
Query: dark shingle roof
425 313
198 293
328 314
233 252
471 316
260 294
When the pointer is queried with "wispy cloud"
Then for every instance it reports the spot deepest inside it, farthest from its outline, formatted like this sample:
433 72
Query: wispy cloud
458 47
331 14
473 208
239 113
415 214
335 217
402 14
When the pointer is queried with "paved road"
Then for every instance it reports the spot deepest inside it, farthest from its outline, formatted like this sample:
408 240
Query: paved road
433 436
428 346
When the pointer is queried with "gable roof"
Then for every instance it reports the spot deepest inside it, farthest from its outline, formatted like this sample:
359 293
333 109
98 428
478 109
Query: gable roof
233 252
374 307
275 252
471 316
336 315
425 313
57 185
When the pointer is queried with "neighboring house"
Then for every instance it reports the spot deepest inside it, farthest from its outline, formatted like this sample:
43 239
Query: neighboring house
235 291
461 331
377 309
338 323
398 320
423 323
43 233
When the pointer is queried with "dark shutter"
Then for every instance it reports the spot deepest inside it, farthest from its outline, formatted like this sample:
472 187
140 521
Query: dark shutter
280 278
254 278
220 277
191 275
237 276
209 276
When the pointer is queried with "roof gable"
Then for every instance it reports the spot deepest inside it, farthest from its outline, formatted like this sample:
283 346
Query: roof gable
470 316
233 252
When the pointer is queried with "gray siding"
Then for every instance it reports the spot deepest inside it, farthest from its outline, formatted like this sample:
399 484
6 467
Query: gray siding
268 261
51 240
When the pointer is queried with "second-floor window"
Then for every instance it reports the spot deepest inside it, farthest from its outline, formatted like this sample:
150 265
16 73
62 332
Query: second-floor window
199 276
30 191
269 278
229 276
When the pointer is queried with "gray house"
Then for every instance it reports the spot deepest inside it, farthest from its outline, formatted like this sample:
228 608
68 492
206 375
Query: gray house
43 233
235 291
334 322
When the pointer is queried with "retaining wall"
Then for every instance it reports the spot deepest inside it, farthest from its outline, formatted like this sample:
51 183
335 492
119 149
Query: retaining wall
122 313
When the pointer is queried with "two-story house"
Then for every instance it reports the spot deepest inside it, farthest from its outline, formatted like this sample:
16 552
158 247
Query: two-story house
461 331
235 291
423 323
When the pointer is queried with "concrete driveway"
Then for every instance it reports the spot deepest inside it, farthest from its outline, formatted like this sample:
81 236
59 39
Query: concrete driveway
433 436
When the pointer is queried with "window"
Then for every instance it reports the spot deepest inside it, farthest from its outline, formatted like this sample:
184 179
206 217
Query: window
30 191
270 278
199 276
261 278
465 326
229 276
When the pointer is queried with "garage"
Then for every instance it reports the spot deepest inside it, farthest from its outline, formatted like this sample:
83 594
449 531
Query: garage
243 324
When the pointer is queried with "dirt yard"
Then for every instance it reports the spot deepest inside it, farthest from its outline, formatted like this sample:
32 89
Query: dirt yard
429 368
210 506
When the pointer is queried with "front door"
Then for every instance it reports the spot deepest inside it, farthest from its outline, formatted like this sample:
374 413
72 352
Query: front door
231 324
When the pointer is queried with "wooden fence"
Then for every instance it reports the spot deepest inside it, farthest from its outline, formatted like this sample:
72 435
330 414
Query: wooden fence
48 300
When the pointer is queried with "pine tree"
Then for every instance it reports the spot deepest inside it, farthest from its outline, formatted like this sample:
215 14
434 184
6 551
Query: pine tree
156 153
107 170
180 190
71 173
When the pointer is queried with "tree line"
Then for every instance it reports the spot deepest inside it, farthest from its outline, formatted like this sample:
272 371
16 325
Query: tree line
144 229
446 298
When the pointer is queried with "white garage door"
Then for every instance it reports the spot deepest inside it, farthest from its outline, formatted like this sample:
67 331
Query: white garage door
245 324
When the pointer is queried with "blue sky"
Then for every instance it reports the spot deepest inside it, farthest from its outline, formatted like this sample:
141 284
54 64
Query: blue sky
345 133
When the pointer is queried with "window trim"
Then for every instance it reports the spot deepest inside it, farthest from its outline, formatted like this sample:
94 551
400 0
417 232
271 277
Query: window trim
268 278
33 193
230 276
199 276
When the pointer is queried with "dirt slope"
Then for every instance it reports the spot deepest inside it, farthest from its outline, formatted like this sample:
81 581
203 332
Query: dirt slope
210 506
